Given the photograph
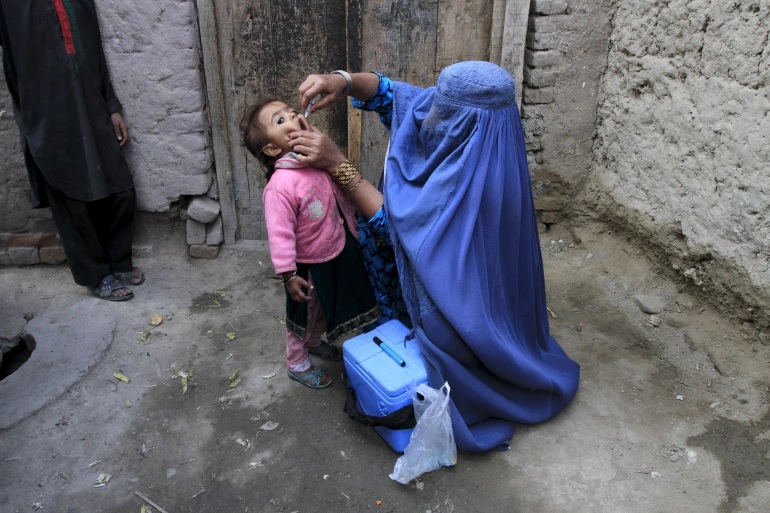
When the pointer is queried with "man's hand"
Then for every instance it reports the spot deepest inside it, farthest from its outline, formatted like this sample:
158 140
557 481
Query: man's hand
121 130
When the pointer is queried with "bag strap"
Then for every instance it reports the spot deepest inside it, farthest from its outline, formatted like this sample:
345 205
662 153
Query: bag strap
399 419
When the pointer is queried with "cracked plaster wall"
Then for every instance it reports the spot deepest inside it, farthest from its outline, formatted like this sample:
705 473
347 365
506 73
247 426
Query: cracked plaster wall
683 141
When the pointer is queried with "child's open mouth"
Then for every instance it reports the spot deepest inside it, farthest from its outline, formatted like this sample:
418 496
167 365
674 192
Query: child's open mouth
303 124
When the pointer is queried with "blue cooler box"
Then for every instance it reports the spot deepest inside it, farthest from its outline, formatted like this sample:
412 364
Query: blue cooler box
381 385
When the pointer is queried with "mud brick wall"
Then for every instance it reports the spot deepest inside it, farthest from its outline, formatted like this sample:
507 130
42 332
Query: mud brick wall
565 57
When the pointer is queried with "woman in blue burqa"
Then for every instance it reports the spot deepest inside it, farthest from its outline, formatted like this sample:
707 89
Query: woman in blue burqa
457 213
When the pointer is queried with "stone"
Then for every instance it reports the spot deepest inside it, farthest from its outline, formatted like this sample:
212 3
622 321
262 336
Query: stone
543 58
650 304
196 232
533 127
204 251
538 41
214 232
548 32
24 255
537 96
692 275
52 255
549 7
532 114
5 258
537 77
203 209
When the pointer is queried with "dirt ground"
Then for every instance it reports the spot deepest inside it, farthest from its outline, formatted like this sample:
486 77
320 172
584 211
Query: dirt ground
669 417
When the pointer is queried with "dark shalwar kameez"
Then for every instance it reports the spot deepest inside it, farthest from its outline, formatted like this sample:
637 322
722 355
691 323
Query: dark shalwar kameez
63 101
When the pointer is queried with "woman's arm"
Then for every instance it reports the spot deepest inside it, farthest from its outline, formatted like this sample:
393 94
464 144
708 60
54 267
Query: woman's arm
316 149
364 196
371 91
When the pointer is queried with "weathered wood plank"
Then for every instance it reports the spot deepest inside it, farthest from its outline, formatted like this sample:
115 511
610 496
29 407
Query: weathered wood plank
215 99
400 41
463 31
496 30
277 44
354 41
508 38
246 170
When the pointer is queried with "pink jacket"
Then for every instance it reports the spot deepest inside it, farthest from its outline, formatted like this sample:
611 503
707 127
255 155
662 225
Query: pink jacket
303 222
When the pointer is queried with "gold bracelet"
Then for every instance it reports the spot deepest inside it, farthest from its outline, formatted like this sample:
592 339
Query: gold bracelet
345 173
356 185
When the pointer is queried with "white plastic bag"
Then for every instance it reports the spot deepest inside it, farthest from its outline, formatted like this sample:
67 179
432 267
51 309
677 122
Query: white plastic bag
432 444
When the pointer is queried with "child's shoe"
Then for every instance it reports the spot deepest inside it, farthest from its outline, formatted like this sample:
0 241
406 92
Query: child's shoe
312 378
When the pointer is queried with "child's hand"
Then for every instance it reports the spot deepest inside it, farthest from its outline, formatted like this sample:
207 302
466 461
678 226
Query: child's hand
299 289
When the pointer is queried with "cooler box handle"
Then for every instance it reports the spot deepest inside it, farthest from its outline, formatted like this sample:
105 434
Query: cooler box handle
399 419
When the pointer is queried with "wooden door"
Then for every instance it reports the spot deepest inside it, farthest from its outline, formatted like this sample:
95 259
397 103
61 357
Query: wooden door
255 48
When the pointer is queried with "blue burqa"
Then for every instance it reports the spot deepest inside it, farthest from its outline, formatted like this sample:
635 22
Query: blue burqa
459 205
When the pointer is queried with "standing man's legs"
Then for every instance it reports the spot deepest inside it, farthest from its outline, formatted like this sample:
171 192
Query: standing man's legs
86 233
114 219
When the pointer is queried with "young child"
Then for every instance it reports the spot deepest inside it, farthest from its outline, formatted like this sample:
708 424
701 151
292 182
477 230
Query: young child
312 233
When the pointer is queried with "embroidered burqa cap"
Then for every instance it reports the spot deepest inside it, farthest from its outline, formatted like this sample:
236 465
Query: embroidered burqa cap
460 210
475 83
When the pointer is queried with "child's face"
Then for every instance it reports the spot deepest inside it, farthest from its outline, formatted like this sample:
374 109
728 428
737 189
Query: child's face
278 120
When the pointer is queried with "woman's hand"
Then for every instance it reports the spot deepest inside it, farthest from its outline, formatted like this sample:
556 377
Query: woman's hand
329 87
316 149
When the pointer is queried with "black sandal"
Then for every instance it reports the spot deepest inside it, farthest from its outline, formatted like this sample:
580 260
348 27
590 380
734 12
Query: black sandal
129 278
326 351
106 288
